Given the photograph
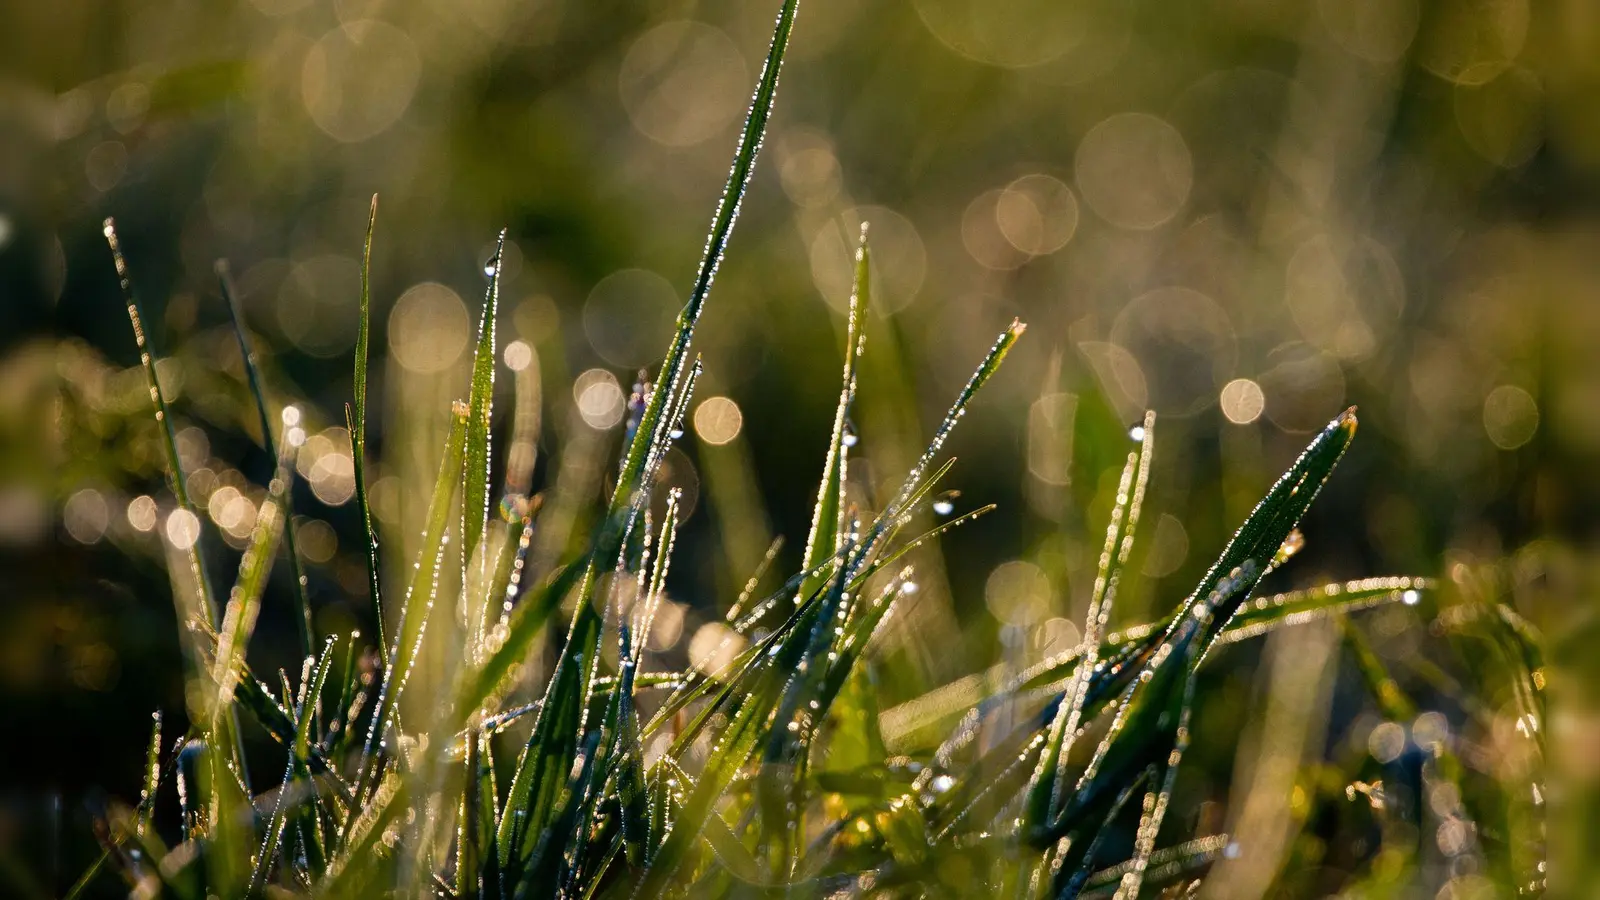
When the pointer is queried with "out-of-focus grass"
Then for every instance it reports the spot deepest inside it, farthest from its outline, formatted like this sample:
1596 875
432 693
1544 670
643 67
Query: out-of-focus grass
1245 218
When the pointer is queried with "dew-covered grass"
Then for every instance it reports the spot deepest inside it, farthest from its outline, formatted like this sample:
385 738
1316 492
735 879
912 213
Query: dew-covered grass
775 771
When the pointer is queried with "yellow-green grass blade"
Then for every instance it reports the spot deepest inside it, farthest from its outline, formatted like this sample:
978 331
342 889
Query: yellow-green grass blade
252 372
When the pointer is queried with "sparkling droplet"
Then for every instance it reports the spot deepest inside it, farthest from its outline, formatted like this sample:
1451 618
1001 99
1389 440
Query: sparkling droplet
849 439
676 433
1292 544
943 507
1411 598
1136 433
490 267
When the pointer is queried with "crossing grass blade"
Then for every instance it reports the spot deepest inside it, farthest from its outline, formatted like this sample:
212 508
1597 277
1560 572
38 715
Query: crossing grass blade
252 373
420 594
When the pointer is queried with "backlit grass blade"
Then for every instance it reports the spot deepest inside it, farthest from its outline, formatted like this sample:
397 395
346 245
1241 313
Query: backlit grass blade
244 605
722 222
252 373
304 701
1045 795
475 500
152 775
827 518
163 416
356 420
421 593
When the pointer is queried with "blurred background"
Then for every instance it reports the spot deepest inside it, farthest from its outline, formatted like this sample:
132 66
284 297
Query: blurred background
1245 215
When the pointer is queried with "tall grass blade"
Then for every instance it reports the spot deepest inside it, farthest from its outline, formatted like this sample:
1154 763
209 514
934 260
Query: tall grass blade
252 373
163 416
421 593
475 501
356 421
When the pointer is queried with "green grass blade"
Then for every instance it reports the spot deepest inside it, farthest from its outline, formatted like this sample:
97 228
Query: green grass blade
1045 795
475 501
827 518
244 604
356 421
152 775
305 701
163 416
722 222
1269 524
421 593
252 372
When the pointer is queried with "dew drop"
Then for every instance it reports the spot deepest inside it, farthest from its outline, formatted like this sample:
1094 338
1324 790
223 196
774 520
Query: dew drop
676 433
490 267
943 507
1136 433
1410 598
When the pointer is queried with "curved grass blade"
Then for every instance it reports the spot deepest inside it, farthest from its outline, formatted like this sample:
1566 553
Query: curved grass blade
356 421
252 373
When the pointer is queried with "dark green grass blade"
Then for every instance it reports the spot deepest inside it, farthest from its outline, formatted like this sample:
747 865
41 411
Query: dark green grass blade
356 420
163 415
252 373
475 501
554 744
1270 523
722 222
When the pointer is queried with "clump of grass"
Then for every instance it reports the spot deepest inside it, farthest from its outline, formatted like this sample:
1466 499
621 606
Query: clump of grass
769 774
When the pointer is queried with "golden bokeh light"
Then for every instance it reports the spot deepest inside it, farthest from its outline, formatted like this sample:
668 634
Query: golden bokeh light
718 420
1018 593
808 168
1134 170
1376 30
682 82
1242 401
359 78
1017 34
86 515
317 304
629 316
1037 214
1510 416
519 355
429 328
182 528
599 398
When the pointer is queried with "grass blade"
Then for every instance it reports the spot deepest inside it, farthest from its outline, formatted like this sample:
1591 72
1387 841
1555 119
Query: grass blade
356 421
475 500
252 372
163 416
421 593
